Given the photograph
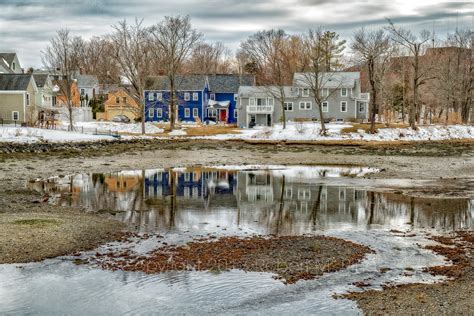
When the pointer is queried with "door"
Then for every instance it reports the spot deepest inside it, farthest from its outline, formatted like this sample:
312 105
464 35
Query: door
269 120
223 116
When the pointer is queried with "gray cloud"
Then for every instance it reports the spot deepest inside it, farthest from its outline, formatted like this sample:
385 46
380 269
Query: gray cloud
27 25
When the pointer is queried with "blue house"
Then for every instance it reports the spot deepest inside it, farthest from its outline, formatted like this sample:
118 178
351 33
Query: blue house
207 97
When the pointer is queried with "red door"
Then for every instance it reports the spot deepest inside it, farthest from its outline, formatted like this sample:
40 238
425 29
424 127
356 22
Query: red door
223 116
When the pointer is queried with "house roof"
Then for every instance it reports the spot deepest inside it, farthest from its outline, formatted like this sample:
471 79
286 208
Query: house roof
267 91
183 83
228 83
87 80
15 82
331 80
40 79
8 57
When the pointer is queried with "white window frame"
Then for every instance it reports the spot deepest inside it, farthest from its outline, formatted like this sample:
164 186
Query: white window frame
252 101
212 97
303 106
344 94
187 112
236 96
195 96
236 113
187 96
187 176
159 96
363 109
305 92
325 92
289 192
27 99
325 106
270 101
286 106
265 100
195 112
343 102
17 114
151 96
151 112
159 112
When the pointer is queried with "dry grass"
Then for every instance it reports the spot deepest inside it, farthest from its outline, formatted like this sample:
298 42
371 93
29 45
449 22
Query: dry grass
211 130
366 127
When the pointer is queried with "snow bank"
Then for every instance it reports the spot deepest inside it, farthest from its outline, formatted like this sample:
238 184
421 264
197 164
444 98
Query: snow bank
311 132
34 135
132 128
177 132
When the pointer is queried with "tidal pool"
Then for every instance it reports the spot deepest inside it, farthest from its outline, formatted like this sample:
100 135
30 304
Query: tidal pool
180 204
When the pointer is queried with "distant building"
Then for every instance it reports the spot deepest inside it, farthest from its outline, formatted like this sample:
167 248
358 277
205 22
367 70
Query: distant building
120 102
200 97
88 86
18 98
9 63
343 100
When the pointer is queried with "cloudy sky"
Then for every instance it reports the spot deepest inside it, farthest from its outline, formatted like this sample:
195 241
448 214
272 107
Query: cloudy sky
27 25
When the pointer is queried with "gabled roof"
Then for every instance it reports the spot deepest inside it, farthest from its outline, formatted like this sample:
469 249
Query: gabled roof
267 91
8 57
14 82
331 80
228 83
40 79
87 81
183 83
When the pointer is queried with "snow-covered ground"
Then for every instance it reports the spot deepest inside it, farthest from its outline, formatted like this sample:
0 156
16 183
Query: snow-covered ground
311 131
133 128
35 135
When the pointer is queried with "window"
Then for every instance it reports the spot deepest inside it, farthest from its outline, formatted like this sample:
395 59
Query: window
288 192
288 106
342 194
187 112
15 115
187 96
236 113
325 92
117 100
159 96
211 112
343 106
325 106
83 91
270 101
306 105
343 92
305 92
195 112
150 96
261 101
124 99
159 112
213 96
150 112
236 96
27 99
304 194
13 66
195 96
187 176
252 101
361 107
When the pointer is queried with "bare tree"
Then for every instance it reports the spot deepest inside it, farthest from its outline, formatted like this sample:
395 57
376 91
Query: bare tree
209 59
270 52
318 76
132 52
62 56
464 41
372 49
174 40
416 46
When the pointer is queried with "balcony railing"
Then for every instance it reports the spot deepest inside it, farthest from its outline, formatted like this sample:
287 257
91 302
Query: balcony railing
260 108
360 96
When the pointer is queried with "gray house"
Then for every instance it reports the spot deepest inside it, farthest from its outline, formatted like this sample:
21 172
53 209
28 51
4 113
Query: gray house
342 100
9 64
88 86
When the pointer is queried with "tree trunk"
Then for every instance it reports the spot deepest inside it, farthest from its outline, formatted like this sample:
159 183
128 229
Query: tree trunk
172 104
143 117
373 99
283 113
321 116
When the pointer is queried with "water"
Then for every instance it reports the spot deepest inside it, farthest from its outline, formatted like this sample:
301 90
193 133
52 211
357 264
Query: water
181 204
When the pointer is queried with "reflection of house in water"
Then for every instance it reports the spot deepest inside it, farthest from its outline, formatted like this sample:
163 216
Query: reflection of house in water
287 201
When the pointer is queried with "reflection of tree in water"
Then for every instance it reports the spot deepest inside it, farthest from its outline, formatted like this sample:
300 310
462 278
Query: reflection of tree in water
259 200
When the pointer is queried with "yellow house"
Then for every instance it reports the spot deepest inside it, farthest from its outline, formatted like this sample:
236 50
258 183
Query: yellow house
18 98
120 102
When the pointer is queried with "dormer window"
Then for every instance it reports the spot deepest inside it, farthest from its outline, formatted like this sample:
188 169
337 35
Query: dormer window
305 92
213 96
117 100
